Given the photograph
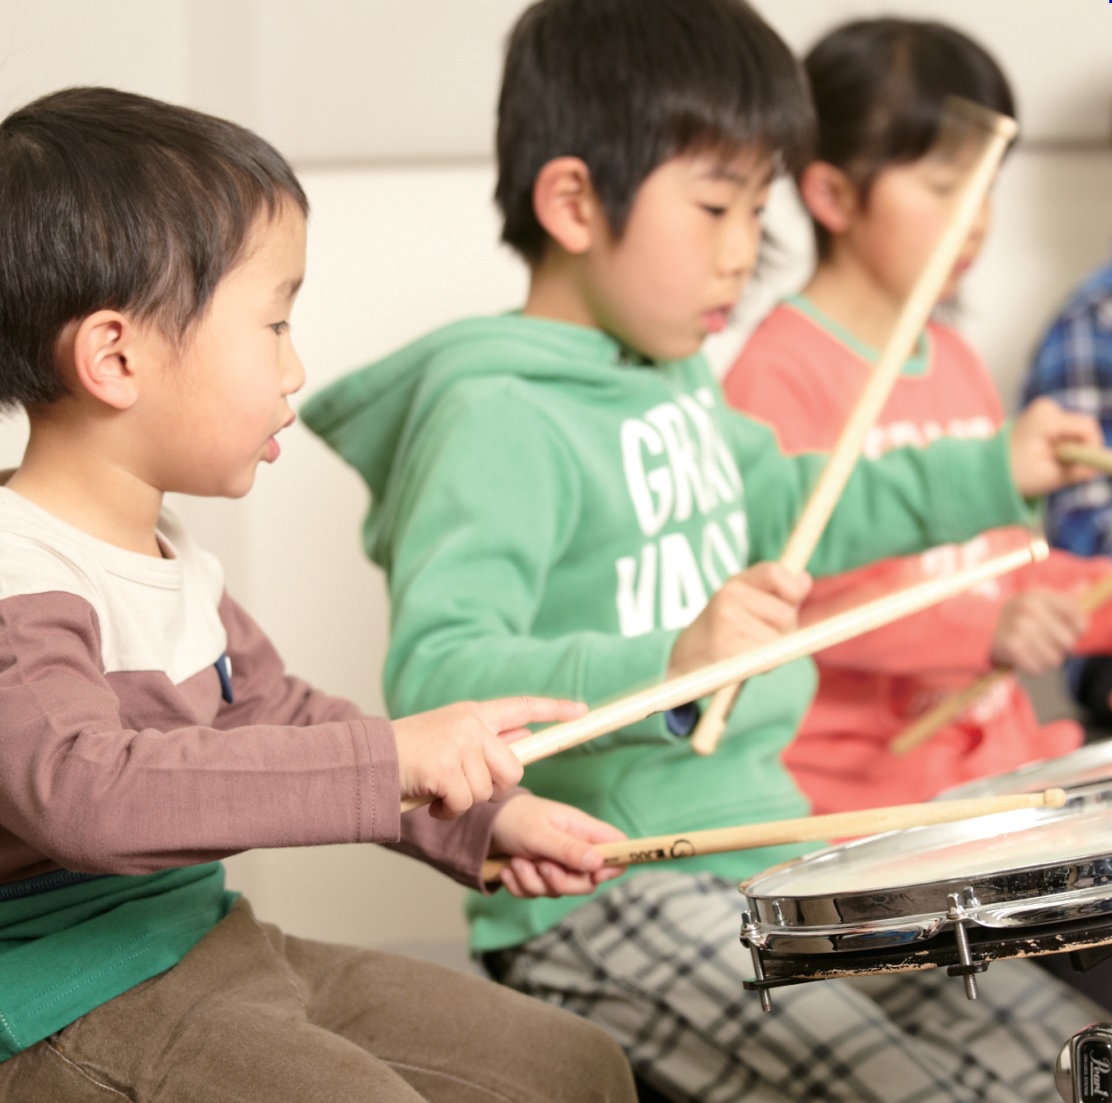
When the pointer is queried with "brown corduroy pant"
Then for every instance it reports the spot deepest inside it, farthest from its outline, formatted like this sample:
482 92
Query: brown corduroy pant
254 1016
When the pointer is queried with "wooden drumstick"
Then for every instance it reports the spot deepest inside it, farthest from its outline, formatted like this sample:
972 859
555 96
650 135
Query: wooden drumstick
913 316
698 683
835 825
951 707
1099 459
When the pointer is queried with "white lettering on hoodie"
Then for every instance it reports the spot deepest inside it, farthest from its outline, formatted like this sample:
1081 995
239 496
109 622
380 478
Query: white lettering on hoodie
678 466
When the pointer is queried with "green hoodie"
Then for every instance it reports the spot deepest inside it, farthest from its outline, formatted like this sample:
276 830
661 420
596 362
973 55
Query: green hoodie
552 511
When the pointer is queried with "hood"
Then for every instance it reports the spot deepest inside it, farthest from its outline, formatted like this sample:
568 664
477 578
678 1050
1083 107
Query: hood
372 417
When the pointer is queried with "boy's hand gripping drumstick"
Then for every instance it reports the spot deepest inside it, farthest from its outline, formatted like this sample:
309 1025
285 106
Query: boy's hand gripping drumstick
998 132
836 825
951 707
698 683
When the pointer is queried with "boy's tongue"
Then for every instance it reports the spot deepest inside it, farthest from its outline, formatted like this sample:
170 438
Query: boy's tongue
714 321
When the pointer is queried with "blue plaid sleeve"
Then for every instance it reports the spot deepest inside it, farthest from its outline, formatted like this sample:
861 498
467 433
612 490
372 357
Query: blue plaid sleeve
1074 367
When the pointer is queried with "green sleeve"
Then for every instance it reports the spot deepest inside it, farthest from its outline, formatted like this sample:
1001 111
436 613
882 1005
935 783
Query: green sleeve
903 502
479 517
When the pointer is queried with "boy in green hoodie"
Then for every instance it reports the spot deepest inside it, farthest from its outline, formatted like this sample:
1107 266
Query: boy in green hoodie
564 505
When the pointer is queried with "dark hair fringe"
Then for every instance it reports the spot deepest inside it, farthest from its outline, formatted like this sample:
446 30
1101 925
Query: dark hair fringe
111 200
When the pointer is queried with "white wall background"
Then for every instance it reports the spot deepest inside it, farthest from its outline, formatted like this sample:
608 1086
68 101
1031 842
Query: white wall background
386 109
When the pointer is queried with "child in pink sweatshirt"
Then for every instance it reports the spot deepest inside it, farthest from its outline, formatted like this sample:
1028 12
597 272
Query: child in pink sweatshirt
878 194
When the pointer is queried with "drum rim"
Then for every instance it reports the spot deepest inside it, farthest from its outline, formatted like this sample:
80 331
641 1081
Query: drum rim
920 908
1032 776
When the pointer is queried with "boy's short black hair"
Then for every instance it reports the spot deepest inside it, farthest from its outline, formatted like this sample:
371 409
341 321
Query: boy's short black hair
879 89
627 84
110 200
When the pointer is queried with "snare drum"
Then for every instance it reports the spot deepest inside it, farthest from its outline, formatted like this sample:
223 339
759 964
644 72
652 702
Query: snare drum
1088 769
959 895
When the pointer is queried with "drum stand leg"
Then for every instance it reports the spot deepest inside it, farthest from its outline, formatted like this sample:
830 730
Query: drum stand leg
968 969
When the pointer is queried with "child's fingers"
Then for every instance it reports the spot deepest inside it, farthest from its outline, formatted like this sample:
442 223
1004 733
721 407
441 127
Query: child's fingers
1074 428
1055 616
543 878
749 610
453 799
585 826
786 585
502 766
775 579
522 878
1050 420
1044 634
560 835
1071 619
573 853
1080 428
507 714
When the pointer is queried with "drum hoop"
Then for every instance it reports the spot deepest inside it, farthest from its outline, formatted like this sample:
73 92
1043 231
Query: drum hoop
1044 773
1018 893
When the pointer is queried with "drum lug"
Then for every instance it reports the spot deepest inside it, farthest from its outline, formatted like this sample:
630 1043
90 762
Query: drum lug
959 916
749 934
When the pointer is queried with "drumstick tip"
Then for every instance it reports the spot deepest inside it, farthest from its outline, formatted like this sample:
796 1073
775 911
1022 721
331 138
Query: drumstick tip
1054 798
1003 126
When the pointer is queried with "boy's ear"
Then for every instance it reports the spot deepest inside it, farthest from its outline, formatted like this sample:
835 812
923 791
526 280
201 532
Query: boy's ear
829 195
565 203
105 346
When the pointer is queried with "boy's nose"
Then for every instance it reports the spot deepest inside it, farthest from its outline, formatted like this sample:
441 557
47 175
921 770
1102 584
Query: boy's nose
980 225
293 374
739 255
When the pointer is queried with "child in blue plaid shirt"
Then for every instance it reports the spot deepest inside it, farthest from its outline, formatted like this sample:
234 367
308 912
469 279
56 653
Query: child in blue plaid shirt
1073 366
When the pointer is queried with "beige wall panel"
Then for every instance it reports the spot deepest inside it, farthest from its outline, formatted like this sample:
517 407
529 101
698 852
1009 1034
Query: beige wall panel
1057 53
336 80
343 80
388 79
139 45
1052 226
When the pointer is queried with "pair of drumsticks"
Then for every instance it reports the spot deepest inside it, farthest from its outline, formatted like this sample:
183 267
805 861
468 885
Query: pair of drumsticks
724 677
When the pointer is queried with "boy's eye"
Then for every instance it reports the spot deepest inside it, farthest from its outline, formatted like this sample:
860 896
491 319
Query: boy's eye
280 327
942 181
713 211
